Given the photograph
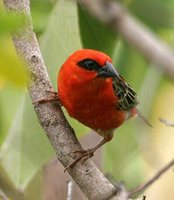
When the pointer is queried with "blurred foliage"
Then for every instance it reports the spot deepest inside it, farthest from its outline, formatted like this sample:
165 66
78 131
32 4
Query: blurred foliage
9 100
61 37
161 143
11 67
22 153
40 10
10 21
63 27
95 35
156 13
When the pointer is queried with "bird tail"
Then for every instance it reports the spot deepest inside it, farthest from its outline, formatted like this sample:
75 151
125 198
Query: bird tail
139 114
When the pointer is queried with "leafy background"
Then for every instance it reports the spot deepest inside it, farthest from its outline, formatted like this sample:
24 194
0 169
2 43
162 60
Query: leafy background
137 151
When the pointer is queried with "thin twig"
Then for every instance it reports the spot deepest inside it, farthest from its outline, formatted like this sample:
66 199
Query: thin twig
70 190
166 122
116 16
144 198
143 187
3 196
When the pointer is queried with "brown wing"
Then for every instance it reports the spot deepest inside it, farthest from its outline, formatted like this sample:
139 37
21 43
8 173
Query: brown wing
126 95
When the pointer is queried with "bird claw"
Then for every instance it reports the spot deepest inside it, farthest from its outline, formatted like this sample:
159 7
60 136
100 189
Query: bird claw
85 155
74 152
53 97
77 152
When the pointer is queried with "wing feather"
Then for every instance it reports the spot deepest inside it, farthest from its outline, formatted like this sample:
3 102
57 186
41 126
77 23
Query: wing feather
127 97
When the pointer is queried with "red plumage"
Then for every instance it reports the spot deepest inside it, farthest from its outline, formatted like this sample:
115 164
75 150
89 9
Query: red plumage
93 93
88 99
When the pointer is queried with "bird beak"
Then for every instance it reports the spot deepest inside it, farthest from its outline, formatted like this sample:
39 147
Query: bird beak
108 71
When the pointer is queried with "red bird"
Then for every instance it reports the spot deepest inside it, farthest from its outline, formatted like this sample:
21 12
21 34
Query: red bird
93 92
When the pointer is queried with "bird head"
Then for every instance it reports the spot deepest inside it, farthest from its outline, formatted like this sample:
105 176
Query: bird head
91 69
88 64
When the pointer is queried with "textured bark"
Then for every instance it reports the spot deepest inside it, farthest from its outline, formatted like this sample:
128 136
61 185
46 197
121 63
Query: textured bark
91 181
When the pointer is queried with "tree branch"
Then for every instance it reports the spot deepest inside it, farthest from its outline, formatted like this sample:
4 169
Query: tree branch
144 186
166 122
117 17
3 196
91 181
69 190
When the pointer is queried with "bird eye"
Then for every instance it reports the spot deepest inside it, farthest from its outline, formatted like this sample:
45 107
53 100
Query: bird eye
89 64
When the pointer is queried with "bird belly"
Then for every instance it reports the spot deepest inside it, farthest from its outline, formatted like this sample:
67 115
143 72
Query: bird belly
94 105
105 118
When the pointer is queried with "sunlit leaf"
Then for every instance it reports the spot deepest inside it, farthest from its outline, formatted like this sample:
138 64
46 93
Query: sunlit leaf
11 66
9 100
26 147
11 22
161 143
2 82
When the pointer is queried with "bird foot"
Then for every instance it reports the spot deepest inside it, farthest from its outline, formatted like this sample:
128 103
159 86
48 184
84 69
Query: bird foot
53 97
84 155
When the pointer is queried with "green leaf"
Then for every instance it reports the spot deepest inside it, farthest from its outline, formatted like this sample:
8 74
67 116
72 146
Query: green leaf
121 153
60 40
61 37
40 10
11 22
156 13
130 64
94 34
12 68
9 100
26 147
